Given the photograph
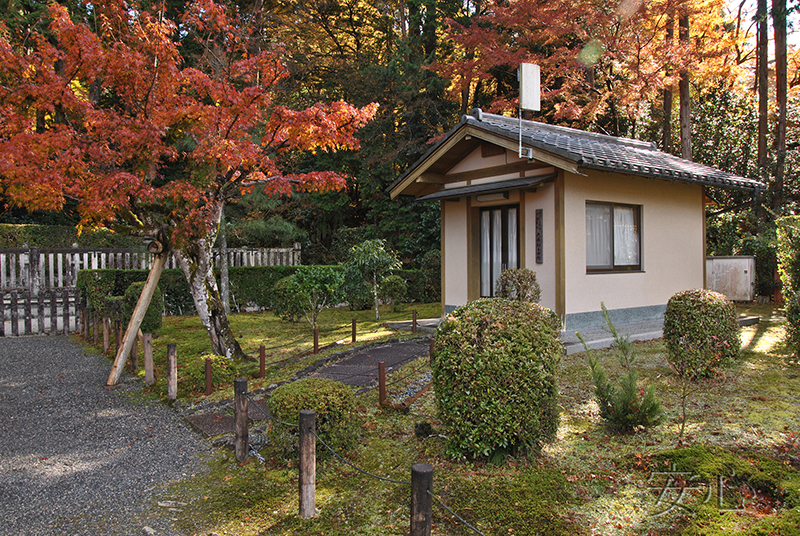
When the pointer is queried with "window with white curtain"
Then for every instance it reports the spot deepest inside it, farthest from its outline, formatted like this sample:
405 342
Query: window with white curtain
613 237
499 245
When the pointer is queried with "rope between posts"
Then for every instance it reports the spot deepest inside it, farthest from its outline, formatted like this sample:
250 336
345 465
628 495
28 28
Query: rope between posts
266 413
461 519
409 374
383 478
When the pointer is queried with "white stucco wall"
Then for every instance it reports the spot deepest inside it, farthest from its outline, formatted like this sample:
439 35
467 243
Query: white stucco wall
543 198
454 254
672 236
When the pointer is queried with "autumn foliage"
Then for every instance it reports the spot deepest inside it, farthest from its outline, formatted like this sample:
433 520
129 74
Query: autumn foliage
114 117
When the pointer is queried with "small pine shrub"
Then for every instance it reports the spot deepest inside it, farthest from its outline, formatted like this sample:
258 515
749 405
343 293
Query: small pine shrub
518 284
701 332
335 408
494 372
288 299
393 291
627 407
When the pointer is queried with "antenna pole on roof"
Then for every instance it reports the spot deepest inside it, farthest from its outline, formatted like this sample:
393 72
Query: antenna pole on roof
529 99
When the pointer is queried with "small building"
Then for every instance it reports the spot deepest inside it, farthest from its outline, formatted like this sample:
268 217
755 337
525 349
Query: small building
598 218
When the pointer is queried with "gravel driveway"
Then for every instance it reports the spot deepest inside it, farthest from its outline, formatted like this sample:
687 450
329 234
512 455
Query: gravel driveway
79 458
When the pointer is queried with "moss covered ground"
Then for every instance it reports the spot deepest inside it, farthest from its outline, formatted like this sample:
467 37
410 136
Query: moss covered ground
735 472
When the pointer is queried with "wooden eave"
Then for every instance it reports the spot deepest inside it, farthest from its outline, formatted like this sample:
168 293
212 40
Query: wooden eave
431 173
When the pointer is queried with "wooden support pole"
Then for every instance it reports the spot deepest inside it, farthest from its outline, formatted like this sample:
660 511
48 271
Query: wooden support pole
28 316
262 361
381 383
414 321
172 372
316 340
241 436
147 350
14 314
65 309
354 330
421 484
138 315
308 462
135 353
209 382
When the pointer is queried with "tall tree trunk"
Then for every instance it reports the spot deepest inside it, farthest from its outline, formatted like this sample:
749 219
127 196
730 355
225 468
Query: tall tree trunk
224 279
763 97
197 263
779 27
666 131
683 88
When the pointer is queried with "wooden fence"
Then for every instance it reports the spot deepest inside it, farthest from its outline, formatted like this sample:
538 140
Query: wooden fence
37 286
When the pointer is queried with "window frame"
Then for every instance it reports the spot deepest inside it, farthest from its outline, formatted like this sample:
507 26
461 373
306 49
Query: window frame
613 267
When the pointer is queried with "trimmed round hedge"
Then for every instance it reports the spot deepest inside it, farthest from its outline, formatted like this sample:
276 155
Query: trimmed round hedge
335 408
494 371
701 331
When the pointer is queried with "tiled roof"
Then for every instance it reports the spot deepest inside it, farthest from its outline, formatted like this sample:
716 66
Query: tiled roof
607 153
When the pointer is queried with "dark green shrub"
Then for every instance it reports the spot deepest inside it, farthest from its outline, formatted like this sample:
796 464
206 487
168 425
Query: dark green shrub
626 407
431 267
793 324
393 291
494 370
357 293
335 408
518 284
789 253
153 319
251 286
288 299
701 332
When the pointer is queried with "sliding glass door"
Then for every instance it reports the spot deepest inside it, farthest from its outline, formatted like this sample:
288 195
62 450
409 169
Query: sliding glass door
499 245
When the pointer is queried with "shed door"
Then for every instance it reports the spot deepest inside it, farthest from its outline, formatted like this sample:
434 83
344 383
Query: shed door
499 245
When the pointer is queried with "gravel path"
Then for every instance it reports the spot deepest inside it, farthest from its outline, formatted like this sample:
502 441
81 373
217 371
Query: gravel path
77 458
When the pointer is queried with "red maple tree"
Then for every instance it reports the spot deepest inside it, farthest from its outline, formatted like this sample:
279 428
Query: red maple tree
114 117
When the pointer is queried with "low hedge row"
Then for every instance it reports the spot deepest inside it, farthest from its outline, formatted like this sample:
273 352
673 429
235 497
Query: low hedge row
251 286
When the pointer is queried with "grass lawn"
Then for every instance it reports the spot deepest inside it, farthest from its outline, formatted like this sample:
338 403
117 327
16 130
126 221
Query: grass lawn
735 474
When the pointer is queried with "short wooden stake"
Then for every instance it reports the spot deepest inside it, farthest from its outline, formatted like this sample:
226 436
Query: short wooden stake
106 334
421 484
381 383
262 361
241 437
147 350
308 462
354 330
135 356
414 321
95 328
316 340
172 371
209 383
118 335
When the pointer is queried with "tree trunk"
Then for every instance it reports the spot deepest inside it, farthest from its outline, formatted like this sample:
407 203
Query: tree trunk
224 279
666 132
683 89
763 97
197 263
779 26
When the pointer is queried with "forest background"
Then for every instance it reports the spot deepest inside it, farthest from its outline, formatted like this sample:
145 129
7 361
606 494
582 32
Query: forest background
711 81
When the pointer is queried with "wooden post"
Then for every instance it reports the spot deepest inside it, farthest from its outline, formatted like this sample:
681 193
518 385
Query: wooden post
172 372
414 321
308 462
95 327
135 353
28 324
421 483
147 350
316 340
65 309
2 314
106 334
118 336
14 314
354 330
240 413
209 382
138 314
381 383
262 361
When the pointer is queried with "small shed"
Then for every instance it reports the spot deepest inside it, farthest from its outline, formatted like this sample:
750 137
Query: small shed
733 276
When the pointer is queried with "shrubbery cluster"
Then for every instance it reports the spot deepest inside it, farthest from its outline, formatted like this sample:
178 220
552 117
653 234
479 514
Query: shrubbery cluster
701 331
789 268
494 370
518 284
335 408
